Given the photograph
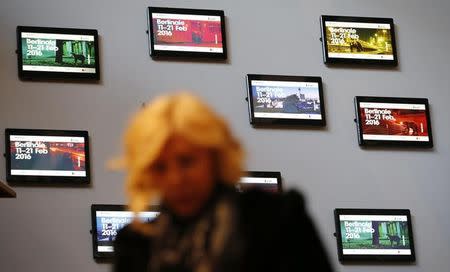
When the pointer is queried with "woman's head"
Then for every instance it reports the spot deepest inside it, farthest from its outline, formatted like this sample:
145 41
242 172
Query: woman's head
177 148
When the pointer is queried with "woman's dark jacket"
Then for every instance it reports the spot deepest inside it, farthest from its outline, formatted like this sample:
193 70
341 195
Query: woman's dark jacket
279 234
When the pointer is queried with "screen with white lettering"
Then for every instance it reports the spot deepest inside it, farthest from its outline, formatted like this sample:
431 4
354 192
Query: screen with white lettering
358 40
366 234
53 53
284 100
107 220
393 121
47 155
177 32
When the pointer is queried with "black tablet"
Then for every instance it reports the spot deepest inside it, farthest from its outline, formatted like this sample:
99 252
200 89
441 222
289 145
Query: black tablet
260 180
393 121
179 32
47 156
56 53
363 40
285 100
374 235
107 220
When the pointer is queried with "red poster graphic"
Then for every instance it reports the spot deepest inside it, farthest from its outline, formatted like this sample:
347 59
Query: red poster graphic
48 156
401 122
183 32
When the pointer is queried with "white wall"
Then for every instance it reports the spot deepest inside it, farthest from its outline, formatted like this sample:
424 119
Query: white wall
47 229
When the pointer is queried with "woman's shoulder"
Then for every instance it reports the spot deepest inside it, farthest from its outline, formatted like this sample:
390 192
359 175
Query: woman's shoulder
258 207
128 237
131 250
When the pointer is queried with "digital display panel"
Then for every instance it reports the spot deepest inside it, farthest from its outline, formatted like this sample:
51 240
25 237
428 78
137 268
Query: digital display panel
57 53
358 40
187 32
393 121
259 180
47 155
293 100
374 234
107 220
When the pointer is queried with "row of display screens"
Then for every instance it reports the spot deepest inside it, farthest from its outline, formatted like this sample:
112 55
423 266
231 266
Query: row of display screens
36 155
298 100
173 32
63 157
362 234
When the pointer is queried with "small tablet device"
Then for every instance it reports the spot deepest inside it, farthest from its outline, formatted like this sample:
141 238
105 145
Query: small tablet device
374 235
363 40
57 53
47 156
393 121
260 180
107 220
285 100
178 32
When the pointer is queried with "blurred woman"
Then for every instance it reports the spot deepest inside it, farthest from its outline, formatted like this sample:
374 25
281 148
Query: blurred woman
181 153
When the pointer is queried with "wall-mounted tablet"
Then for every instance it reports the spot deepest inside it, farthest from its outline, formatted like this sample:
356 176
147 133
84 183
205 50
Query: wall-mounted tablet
47 156
285 100
179 32
107 220
374 235
362 40
260 180
55 53
393 121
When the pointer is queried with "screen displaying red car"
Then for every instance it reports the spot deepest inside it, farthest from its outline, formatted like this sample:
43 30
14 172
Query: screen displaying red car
403 120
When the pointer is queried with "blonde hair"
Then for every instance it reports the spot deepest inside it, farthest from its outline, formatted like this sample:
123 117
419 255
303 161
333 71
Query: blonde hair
185 115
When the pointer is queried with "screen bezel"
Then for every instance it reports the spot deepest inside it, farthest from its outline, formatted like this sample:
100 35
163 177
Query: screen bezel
186 54
266 174
256 121
30 75
60 180
399 100
330 60
346 211
107 207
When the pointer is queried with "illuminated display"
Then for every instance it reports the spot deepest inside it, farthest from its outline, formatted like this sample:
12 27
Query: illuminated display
393 121
187 32
259 180
107 220
358 40
57 53
374 234
285 100
47 155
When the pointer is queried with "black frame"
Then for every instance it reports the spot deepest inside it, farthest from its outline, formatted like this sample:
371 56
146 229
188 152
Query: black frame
256 121
107 207
399 100
393 258
186 54
24 75
329 60
266 174
59 180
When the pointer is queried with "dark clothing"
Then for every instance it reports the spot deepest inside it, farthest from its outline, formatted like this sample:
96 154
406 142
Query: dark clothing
277 235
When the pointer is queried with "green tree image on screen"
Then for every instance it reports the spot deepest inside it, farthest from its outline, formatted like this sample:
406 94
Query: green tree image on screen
375 235
52 52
